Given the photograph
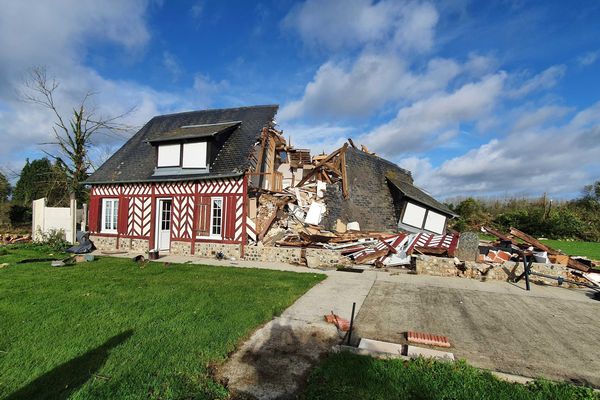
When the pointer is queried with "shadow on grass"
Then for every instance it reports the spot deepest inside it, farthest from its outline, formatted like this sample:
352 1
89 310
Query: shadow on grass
63 380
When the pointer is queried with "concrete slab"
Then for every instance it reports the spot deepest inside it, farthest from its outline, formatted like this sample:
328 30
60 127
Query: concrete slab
499 326
415 352
380 346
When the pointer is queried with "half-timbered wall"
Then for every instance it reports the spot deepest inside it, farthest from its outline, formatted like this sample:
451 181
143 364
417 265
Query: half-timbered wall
137 209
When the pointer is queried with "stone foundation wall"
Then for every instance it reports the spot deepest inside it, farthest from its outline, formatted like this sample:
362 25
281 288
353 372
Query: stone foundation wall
438 266
210 250
137 245
315 258
180 248
289 255
319 258
104 242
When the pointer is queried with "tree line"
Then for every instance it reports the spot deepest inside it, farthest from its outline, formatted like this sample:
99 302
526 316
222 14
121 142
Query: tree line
569 219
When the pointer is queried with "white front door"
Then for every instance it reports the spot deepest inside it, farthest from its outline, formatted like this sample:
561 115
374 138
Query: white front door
163 231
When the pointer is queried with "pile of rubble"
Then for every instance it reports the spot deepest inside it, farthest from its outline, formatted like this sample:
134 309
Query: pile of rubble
293 215
518 245
11 238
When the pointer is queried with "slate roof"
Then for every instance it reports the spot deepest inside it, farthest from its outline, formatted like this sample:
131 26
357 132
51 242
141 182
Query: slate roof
136 159
193 131
398 177
414 193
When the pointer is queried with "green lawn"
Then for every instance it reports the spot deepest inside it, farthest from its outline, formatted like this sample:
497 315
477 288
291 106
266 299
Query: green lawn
588 249
110 329
349 376
573 248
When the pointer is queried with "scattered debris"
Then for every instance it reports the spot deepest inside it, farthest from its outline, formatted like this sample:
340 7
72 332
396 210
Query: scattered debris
84 246
428 339
378 347
341 323
12 238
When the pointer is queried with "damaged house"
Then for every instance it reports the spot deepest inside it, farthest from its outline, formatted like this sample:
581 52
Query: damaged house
223 181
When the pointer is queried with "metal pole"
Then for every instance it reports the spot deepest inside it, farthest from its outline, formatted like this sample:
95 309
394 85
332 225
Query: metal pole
526 268
351 323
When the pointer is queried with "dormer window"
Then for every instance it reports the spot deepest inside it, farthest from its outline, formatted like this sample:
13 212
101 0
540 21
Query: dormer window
169 155
194 155
184 155
189 149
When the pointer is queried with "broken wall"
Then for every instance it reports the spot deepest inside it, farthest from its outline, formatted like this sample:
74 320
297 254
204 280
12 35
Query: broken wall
370 201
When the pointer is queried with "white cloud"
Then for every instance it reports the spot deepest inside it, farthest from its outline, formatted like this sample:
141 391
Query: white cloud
58 35
339 24
171 64
197 9
544 80
558 160
588 58
318 138
433 121
540 116
357 89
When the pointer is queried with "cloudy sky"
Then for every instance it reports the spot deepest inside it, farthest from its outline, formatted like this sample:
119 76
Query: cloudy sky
474 97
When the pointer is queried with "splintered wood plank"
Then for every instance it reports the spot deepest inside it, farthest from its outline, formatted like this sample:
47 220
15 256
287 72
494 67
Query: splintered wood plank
343 171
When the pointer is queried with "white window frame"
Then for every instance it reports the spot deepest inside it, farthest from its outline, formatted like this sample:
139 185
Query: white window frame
212 214
432 222
114 210
194 155
412 210
169 154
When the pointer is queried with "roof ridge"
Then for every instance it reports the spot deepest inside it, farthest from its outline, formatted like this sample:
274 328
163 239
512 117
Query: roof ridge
216 109
391 163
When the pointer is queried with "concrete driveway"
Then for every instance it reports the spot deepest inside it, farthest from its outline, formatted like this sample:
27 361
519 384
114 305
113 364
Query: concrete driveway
549 331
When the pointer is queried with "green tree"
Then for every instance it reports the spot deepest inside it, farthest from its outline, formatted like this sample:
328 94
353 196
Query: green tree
5 188
40 178
472 215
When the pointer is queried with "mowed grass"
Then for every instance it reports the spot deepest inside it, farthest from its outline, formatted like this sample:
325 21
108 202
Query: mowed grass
353 377
110 329
590 250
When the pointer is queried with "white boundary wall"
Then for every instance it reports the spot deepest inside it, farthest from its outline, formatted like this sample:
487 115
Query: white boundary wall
45 219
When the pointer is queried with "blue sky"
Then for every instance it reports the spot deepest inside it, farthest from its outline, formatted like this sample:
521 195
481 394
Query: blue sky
475 98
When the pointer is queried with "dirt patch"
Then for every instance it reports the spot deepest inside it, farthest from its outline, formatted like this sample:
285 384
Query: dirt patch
275 362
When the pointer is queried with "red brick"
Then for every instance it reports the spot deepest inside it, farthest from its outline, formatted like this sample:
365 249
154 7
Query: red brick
428 338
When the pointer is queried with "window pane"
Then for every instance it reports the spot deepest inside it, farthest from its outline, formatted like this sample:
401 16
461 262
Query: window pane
115 213
110 214
168 155
413 215
216 216
194 155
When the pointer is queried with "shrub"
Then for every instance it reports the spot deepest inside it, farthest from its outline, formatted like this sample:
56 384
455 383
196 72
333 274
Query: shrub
53 240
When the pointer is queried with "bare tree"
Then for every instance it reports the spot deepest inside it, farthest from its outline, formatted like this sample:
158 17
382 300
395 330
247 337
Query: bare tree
73 135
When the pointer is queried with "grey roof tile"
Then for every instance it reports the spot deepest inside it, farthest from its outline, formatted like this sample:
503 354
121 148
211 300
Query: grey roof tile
136 159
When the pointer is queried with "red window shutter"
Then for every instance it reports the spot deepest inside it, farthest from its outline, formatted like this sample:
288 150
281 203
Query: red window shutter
123 216
202 216
94 214
229 213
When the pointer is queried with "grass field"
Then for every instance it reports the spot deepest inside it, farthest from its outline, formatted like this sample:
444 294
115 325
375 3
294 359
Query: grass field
588 249
110 329
572 248
349 376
